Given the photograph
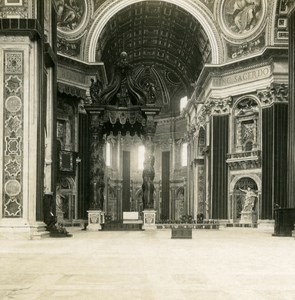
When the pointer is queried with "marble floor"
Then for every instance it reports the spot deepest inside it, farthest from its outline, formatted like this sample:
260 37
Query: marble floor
233 263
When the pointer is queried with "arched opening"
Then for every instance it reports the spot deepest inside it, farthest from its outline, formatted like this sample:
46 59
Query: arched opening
239 191
198 11
167 45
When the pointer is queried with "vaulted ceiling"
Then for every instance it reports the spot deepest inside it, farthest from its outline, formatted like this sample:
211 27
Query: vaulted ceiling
164 43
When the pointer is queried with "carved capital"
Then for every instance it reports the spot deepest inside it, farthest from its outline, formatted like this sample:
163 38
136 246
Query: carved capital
274 93
214 106
220 106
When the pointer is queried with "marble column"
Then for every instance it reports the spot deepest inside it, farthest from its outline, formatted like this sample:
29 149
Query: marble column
291 115
148 174
97 165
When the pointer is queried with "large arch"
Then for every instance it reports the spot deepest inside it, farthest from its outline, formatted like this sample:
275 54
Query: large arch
110 8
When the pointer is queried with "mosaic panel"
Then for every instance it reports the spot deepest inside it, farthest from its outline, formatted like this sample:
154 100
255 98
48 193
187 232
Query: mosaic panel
179 204
70 14
242 17
13 134
13 63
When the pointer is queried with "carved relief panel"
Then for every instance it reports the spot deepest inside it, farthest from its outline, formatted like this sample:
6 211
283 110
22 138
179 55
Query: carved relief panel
179 204
201 190
201 142
246 124
66 126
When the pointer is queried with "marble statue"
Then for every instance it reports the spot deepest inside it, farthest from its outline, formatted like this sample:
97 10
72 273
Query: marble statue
250 197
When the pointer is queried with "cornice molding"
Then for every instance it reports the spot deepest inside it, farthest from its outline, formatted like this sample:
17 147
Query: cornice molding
259 60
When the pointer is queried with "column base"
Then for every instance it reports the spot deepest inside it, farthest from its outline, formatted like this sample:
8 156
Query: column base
15 229
149 219
95 219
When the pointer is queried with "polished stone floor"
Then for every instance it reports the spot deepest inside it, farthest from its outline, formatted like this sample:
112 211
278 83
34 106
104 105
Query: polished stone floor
234 263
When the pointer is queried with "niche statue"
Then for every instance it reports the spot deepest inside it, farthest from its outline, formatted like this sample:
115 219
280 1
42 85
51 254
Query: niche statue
250 196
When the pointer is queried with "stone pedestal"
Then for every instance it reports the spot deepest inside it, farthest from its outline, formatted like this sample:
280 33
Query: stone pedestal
284 221
248 217
95 219
59 216
149 219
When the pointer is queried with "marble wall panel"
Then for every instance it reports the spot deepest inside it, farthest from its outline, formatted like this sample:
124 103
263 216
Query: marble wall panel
13 134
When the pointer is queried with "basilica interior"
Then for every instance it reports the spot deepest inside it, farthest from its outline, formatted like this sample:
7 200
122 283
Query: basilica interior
177 107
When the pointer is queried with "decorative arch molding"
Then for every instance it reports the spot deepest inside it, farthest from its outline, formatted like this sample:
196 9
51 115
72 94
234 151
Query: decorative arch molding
68 185
197 10
179 191
254 177
138 193
250 96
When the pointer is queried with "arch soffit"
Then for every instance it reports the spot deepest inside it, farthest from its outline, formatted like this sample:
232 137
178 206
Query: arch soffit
197 10
254 177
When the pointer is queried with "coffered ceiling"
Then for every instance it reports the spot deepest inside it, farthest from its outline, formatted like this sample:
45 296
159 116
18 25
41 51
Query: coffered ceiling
161 39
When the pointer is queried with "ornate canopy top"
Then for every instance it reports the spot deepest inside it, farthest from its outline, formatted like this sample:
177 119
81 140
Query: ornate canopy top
123 91
122 106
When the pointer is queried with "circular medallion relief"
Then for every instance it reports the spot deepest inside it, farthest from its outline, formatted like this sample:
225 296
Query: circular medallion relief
241 18
71 15
13 104
12 188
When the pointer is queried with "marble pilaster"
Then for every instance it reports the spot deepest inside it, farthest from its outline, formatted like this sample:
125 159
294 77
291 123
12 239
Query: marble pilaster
20 180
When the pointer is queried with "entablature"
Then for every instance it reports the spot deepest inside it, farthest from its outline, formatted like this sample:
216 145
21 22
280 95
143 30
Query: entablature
74 76
244 160
242 76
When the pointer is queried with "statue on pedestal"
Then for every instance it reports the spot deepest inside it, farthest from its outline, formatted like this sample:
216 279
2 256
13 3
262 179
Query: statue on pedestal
249 203
147 190
98 186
